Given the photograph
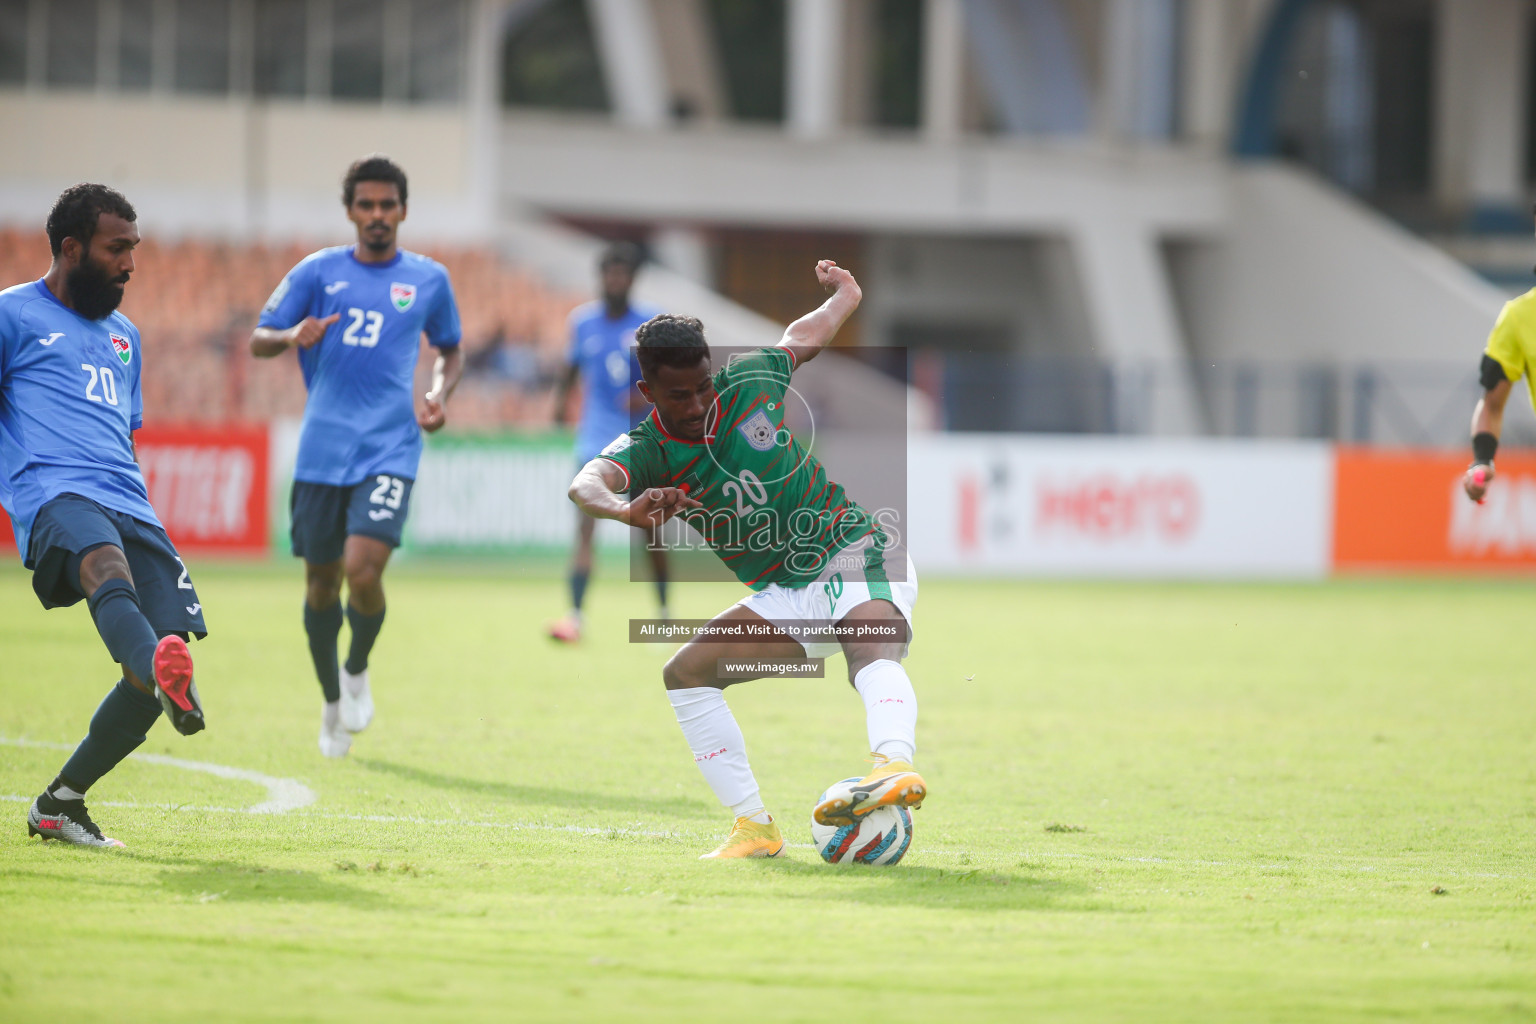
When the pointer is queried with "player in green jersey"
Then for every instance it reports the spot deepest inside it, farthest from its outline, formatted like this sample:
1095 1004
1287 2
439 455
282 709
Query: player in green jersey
826 575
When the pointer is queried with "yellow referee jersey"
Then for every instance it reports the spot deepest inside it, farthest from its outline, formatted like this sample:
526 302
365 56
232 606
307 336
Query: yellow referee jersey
1513 341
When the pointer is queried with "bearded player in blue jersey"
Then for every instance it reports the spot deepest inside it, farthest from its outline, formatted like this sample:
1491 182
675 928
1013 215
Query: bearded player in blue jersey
356 314
601 360
70 401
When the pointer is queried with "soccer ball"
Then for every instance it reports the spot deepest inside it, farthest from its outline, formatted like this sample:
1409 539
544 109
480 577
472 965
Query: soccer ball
879 837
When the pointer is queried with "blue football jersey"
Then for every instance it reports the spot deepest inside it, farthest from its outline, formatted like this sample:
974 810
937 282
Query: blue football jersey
603 351
69 402
360 419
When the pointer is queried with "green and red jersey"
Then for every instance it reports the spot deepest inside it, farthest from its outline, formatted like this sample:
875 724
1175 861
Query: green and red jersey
769 510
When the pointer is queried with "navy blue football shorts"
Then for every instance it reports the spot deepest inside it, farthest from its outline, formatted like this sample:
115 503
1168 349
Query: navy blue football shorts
324 516
71 526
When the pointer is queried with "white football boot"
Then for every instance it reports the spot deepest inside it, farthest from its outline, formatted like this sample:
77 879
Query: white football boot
356 701
335 741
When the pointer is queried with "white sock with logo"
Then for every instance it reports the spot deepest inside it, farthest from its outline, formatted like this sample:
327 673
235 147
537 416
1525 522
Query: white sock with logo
890 709
718 748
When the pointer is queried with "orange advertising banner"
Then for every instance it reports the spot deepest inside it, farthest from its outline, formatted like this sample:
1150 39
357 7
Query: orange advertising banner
1406 510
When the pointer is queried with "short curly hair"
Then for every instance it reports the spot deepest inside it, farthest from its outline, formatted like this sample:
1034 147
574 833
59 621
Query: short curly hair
670 340
78 208
374 167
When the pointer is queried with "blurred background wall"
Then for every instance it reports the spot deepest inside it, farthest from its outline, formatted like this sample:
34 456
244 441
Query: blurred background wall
1283 219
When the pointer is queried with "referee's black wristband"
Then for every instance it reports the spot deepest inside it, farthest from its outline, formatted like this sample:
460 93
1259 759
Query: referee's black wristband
1484 444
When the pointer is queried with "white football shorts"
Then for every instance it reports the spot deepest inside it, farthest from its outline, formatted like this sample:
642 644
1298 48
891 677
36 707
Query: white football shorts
852 576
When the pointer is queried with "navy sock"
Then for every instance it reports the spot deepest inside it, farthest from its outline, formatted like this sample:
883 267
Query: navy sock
365 630
118 727
122 625
323 626
62 782
579 579
661 591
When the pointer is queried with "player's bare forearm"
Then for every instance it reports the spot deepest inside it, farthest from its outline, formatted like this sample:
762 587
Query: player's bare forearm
1488 417
267 342
596 491
807 336
1487 424
447 372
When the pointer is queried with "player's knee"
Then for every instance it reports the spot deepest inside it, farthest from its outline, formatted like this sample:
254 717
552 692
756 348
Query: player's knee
135 682
318 597
364 576
97 566
323 573
683 672
861 656
322 591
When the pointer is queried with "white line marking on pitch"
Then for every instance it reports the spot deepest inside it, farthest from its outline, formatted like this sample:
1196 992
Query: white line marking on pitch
283 795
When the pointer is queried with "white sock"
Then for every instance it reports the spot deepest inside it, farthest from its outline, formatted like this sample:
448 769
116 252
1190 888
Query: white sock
753 808
353 685
718 748
890 708
330 717
65 793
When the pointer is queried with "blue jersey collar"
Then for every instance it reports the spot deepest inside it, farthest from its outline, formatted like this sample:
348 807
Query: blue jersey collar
352 252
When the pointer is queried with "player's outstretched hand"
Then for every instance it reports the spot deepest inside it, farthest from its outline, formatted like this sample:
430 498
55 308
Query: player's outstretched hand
433 415
657 505
1476 481
311 329
833 277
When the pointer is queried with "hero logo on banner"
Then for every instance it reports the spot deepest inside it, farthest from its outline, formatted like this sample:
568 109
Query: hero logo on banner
1109 508
1102 509
998 504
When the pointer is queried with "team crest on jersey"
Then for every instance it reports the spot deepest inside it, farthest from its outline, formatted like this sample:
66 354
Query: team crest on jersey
759 431
402 296
121 347
618 444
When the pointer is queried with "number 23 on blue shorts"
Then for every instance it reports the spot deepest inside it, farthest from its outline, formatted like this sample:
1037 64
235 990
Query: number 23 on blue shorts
324 516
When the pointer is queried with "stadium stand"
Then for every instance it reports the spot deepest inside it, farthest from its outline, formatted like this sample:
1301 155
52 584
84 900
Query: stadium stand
195 303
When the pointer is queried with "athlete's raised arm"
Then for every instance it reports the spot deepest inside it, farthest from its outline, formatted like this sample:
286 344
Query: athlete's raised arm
598 490
269 341
808 335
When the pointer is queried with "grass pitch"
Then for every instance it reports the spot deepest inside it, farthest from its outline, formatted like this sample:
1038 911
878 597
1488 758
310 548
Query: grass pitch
1150 803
